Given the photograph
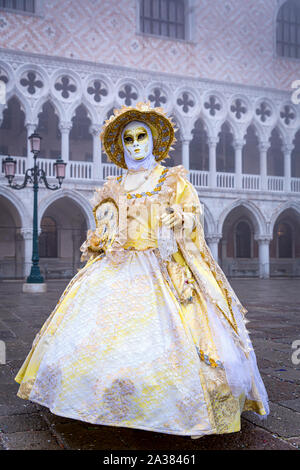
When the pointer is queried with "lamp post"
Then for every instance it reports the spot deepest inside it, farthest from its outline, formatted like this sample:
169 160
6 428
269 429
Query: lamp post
35 281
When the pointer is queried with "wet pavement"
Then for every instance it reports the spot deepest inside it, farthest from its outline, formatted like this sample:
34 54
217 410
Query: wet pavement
274 314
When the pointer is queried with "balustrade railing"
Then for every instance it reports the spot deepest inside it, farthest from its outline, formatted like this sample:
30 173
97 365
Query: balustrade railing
199 178
251 182
80 170
86 171
295 185
109 169
226 180
74 170
47 165
275 183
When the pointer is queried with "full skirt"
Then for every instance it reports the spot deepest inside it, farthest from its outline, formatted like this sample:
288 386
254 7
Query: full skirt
119 350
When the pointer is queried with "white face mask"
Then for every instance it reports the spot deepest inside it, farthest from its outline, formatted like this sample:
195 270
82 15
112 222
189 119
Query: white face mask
136 140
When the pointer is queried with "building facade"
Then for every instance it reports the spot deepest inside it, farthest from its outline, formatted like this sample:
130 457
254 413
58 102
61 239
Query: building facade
223 69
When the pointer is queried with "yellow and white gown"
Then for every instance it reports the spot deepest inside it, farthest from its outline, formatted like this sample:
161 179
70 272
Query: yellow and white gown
139 342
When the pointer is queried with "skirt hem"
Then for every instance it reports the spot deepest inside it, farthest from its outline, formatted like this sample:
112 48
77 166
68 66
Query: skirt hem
143 428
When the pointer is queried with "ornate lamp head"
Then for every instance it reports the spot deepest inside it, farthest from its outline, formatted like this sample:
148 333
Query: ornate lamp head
9 168
35 142
60 170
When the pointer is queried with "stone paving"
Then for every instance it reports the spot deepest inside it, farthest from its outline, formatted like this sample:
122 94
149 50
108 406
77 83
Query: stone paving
274 314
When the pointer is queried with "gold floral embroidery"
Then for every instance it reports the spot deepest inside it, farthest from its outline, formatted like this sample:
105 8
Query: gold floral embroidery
226 408
25 389
182 280
117 397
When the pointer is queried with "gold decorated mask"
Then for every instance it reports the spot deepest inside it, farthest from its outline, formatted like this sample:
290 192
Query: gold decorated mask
136 140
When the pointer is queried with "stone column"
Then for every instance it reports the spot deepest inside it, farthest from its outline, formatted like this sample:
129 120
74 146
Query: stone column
97 157
212 144
76 251
19 254
186 153
31 127
213 243
65 128
287 167
223 260
224 249
2 108
264 256
27 237
238 146
263 147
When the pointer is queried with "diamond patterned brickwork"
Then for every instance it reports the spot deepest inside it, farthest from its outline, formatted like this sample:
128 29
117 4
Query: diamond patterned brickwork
233 40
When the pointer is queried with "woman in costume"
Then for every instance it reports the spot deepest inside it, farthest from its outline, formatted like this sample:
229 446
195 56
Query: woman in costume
149 333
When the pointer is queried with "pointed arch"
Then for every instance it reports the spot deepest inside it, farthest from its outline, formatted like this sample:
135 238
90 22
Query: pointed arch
207 124
275 155
80 136
13 133
250 152
225 152
232 127
198 146
180 123
176 154
76 197
82 101
281 132
108 111
259 222
295 155
24 105
57 106
23 215
257 129
107 108
48 128
280 209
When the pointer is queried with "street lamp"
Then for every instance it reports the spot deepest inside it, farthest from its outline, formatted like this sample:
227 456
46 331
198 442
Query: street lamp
35 175
9 166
